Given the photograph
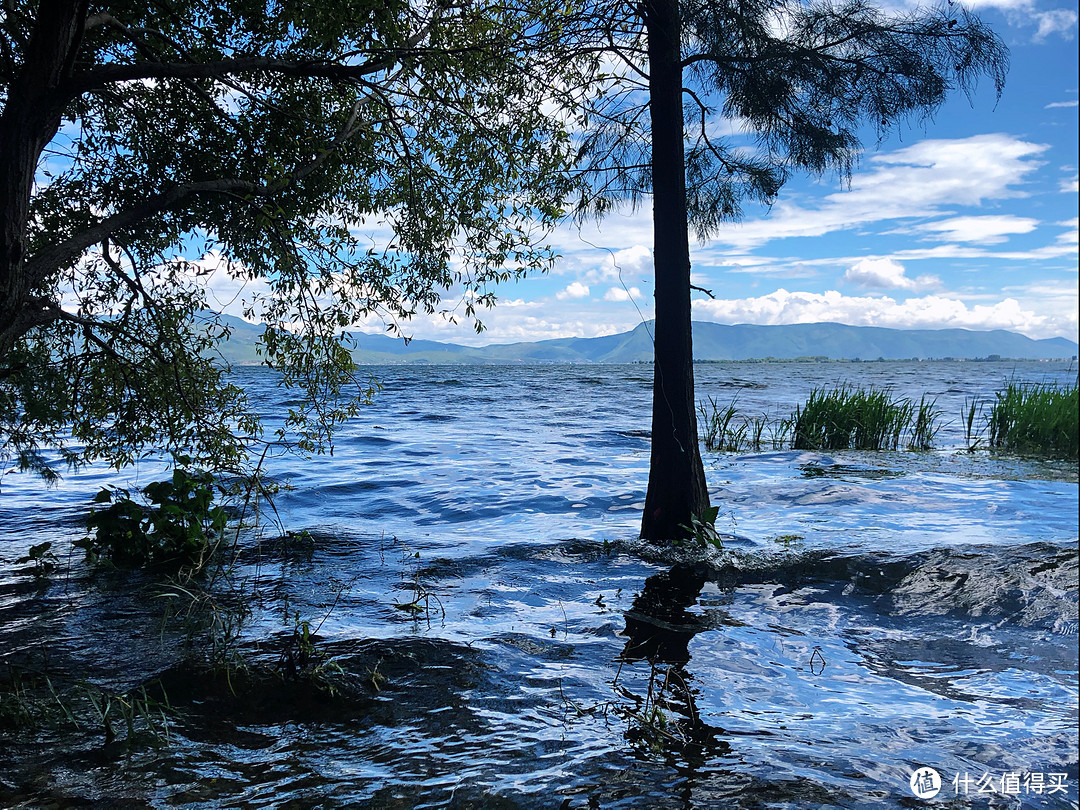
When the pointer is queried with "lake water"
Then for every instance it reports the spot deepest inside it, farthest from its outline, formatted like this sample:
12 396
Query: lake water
871 613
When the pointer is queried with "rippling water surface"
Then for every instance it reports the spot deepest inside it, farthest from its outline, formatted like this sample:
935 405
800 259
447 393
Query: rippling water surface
871 613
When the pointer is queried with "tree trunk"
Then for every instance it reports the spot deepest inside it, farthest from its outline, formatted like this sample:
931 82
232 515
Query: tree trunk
677 489
30 119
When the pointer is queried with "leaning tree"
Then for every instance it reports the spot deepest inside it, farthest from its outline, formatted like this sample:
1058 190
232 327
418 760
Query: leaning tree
806 80
341 160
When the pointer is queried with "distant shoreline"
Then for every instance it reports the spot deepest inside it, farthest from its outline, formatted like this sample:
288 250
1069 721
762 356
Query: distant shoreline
750 361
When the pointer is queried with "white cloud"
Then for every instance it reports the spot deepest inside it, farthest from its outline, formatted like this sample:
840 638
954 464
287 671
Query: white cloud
594 252
573 291
886 274
922 180
1022 13
985 230
1002 5
1055 21
928 312
225 288
1070 185
621 265
618 294
1054 104
535 320
1071 235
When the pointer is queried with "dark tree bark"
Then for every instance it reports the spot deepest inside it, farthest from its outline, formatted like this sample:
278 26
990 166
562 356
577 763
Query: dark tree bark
30 119
677 489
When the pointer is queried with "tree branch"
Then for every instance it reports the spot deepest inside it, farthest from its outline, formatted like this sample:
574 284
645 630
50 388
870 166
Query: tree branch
703 290
60 255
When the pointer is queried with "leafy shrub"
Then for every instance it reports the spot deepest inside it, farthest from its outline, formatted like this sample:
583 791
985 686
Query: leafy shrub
174 524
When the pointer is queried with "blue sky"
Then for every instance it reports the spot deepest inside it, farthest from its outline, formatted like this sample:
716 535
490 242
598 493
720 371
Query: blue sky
969 221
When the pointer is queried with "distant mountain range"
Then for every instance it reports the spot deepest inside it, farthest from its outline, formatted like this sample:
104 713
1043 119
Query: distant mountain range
713 342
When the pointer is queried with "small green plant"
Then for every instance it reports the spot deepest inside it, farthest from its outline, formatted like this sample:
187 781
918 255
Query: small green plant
175 523
666 718
757 427
18 708
42 559
302 659
422 596
702 528
788 541
375 679
140 715
781 433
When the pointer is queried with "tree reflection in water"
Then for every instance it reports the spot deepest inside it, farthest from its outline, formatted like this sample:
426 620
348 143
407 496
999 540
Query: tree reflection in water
659 627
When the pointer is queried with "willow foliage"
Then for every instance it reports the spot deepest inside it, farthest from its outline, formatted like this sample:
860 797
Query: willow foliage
334 161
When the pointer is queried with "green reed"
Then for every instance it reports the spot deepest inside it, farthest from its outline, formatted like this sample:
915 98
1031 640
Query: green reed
1035 419
724 430
1027 418
719 427
925 427
847 418
972 430
842 418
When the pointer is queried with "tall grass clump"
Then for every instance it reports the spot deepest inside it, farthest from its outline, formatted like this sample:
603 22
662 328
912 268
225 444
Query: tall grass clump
724 430
1035 419
847 418
720 429
925 427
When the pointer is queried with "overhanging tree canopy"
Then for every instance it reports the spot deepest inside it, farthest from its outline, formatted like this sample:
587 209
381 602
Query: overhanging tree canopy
279 135
804 79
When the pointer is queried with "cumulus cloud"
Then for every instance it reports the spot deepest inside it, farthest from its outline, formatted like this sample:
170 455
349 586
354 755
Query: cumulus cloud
985 230
539 320
927 312
624 264
886 274
573 291
618 294
1070 185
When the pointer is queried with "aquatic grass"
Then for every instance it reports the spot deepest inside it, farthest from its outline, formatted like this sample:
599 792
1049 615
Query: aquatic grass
724 430
1035 419
925 428
841 418
972 432
718 430
781 431
847 418
35 700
